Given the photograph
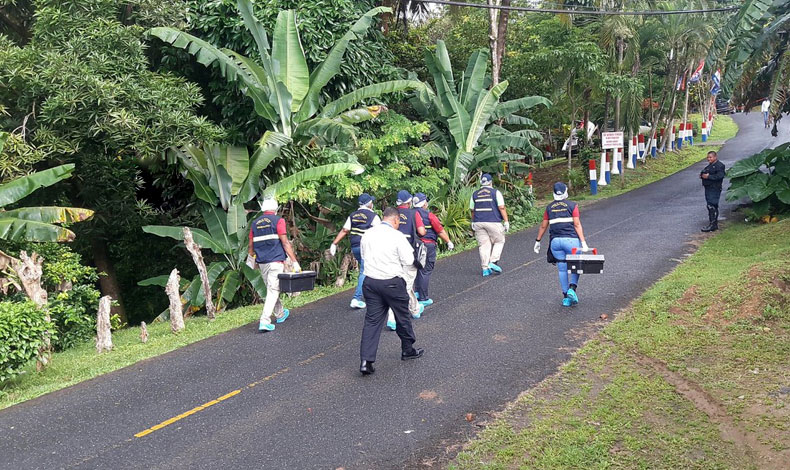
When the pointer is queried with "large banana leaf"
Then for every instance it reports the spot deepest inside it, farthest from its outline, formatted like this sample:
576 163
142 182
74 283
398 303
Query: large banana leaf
236 218
236 161
512 106
230 285
267 149
214 270
312 174
444 64
220 181
327 129
14 229
355 116
483 111
459 124
474 78
215 221
288 60
257 30
331 65
49 214
281 100
346 101
255 279
443 90
19 188
201 237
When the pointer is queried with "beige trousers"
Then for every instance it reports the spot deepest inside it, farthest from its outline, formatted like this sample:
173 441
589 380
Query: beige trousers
272 304
410 274
490 238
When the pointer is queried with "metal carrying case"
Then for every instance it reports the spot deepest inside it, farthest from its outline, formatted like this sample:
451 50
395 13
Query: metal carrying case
585 263
297 282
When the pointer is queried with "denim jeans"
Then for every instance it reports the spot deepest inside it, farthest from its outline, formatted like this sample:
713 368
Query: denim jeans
357 252
559 248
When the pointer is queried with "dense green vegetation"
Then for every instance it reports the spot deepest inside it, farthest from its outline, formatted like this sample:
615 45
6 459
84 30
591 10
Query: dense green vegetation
185 113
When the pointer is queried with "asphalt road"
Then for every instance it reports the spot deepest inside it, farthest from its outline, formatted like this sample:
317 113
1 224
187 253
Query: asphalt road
295 399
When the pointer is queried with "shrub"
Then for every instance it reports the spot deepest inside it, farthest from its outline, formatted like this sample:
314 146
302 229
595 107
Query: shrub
73 314
22 328
454 214
764 178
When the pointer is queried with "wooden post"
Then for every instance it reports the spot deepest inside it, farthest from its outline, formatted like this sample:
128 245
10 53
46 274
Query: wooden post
143 333
103 333
29 270
345 264
197 257
176 316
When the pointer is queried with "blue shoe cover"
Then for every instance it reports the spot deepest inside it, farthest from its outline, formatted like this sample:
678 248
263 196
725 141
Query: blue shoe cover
566 302
494 267
419 312
391 325
572 295
426 302
264 327
286 312
486 272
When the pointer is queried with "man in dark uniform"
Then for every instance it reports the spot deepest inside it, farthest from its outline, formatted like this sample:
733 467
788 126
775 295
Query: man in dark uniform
409 222
712 177
433 231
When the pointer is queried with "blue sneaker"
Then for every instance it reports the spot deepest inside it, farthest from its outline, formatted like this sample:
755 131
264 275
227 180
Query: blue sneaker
566 302
426 302
264 327
391 325
486 272
494 267
572 295
286 312
419 312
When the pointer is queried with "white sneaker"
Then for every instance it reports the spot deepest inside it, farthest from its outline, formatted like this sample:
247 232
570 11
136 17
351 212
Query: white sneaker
357 303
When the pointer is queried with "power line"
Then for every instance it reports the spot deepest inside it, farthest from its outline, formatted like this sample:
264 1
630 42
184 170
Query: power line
584 12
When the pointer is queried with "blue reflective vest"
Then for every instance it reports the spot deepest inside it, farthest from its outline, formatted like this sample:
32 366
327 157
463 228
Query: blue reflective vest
265 241
406 222
430 232
486 209
361 220
561 219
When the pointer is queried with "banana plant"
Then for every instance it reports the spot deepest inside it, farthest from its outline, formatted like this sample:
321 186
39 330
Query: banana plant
467 119
283 89
39 224
224 179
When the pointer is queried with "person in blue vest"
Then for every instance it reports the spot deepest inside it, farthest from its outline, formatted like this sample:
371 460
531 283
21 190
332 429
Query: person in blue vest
433 231
357 224
409 222
489 223
268 247
565 234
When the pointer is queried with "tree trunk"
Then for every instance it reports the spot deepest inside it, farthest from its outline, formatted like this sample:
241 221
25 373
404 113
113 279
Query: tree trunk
143 333
686 105
108 283
174 294
197 257
501 37
103 332
604 126
29 270
345 265
617 99
493 29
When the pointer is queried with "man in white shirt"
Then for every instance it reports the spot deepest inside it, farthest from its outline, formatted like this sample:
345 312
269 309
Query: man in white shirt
386 253
765 108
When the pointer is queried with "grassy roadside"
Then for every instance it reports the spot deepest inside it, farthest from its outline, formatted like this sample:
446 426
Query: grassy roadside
693 375
82 363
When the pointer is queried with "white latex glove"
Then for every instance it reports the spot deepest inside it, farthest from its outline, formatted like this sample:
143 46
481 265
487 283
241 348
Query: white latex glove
450 246
537 247
507 226
333 249
297 268
585 248
250 261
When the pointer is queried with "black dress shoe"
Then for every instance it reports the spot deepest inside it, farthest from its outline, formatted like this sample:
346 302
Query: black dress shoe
418 352
366 367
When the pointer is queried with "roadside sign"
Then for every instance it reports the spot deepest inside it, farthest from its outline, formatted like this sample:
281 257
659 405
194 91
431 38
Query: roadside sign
611 140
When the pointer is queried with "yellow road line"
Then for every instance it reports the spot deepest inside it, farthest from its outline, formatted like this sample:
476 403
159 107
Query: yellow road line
188 413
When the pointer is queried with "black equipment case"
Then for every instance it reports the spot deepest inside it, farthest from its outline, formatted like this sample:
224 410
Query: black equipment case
585 263
297 282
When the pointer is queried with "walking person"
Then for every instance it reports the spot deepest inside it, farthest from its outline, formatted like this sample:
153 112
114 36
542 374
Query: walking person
409 224
433 231
712 176
387 255
765 108
357 224
565 231
269 246
489 223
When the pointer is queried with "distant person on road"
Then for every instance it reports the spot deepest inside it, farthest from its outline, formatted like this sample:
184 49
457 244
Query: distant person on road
712 177
489 223
410 223
765 108
269 246
565 234
387 255
433 231
357 224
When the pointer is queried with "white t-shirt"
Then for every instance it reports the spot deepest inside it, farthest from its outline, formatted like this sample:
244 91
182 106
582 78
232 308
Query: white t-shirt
500 200
385 252
376 220
766 106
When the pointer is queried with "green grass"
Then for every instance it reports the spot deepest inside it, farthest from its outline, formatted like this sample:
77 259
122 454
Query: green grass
82 363
720 320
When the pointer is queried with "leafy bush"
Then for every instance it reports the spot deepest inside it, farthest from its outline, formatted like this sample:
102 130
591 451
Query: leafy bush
22 328
73 314
576 179
768 188
454 214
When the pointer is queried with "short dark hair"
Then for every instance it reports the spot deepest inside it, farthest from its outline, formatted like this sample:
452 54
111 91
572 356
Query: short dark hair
390 212
713 152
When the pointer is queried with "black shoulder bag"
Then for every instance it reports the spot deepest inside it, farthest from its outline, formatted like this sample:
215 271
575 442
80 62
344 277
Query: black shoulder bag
420 250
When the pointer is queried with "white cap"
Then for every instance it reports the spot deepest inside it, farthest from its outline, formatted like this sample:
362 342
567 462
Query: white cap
269 204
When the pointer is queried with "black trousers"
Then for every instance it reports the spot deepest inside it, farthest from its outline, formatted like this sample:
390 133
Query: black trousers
712 195
424 274
380 296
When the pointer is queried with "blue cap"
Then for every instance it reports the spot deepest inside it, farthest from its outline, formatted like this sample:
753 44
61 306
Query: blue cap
485 179
365 198
403 197
560 188
419 198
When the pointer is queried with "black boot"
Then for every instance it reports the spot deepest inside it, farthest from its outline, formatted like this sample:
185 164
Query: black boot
713 219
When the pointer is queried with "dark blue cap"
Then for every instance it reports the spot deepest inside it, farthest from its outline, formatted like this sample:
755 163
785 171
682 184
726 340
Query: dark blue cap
418 198
403 197
365 198
560 188
485 179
